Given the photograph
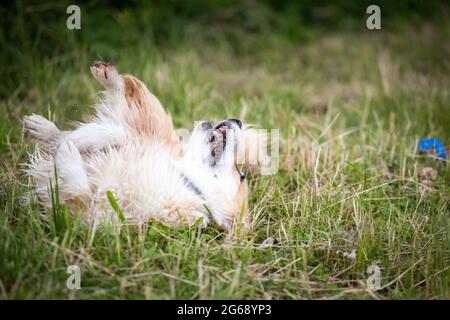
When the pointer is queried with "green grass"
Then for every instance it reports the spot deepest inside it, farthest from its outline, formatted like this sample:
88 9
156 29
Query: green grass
350 105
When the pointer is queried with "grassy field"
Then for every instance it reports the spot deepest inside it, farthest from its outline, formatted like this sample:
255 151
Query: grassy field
350 192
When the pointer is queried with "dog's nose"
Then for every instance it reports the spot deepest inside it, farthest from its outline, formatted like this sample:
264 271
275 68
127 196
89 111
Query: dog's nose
238 122
206 126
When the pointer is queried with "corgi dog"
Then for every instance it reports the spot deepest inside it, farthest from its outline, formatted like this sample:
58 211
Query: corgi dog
131 150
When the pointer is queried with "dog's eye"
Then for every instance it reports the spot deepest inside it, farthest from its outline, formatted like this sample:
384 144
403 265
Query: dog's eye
241 174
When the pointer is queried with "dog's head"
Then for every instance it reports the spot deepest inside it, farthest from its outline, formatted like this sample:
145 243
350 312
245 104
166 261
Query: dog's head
210 162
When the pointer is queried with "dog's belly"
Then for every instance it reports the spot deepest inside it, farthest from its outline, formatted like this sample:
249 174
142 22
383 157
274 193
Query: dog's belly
144 182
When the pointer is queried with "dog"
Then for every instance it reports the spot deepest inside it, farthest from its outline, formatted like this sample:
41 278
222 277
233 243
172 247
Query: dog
130 149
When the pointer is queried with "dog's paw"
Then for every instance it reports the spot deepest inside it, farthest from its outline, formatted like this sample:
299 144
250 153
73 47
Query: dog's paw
40 128
106 74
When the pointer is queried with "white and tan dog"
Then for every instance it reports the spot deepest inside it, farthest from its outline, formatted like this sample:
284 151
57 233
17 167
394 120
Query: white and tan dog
130 148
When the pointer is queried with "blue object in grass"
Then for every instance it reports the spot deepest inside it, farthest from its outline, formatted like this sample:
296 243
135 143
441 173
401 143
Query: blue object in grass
438 146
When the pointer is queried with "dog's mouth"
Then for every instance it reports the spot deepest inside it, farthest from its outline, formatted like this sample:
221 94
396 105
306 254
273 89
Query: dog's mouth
219 136
223 128
218 141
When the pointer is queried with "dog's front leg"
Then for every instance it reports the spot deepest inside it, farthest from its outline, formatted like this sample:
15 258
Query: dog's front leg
96 136
43 130
89 136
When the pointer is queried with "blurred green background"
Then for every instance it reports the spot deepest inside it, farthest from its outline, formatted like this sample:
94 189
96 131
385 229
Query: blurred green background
35 30
350 103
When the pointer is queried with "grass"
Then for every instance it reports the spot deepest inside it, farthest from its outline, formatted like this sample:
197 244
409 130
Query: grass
350 106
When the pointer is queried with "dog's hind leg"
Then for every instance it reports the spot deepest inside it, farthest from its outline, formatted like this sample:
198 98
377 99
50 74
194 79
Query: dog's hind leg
72 178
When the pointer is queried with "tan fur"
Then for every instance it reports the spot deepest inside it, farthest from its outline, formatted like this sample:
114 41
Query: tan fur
239 211
146 114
